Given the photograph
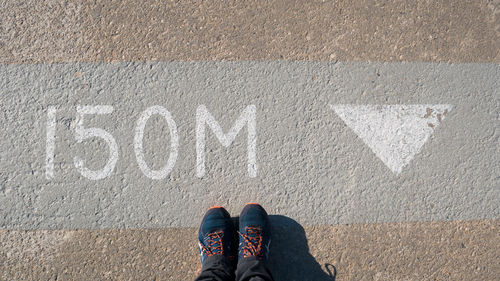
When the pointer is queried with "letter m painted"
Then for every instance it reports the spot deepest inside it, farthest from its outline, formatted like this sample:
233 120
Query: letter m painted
203 117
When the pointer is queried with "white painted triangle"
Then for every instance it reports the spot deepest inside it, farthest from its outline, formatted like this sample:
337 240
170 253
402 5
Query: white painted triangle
395 133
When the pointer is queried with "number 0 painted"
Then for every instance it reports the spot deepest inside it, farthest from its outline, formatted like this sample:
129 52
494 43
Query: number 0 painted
138 142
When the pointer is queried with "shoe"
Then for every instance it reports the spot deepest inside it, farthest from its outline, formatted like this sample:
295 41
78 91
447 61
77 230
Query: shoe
217 235
255 233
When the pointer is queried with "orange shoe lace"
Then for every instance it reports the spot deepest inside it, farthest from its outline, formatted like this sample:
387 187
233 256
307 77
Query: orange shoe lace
252 242
213 244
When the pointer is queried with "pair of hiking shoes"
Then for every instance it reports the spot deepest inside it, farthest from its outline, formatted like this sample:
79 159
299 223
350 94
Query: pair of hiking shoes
218 235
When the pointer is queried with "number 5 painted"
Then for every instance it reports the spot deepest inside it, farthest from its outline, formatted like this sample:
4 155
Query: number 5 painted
82 133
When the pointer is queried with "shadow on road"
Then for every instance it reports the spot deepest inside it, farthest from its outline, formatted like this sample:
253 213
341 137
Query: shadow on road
290 259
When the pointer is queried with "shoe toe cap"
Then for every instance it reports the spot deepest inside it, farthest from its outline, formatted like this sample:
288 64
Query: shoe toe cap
215 219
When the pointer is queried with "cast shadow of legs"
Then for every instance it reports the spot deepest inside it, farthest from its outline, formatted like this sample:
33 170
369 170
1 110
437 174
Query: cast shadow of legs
289 254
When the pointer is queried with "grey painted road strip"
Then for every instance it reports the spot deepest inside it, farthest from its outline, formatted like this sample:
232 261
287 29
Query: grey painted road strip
308 164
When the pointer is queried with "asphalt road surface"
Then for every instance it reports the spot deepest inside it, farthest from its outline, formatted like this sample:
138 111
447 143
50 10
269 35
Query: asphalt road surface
368 130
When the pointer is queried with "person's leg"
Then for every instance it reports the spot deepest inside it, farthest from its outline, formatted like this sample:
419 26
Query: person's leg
255 239
257 278
217 245
216 269
253 270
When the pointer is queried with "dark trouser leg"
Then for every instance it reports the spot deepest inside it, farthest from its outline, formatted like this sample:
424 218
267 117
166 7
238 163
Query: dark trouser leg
252 269
216 268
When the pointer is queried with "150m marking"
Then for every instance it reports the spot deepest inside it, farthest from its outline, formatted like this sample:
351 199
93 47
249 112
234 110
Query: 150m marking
203 118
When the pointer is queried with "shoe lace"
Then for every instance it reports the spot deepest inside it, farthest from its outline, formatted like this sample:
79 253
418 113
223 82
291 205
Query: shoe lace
252 242
213 244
